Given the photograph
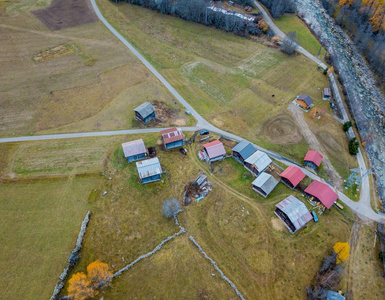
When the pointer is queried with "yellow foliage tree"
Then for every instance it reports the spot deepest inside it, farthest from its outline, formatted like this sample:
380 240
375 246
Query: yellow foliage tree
82 286
342 250
343 2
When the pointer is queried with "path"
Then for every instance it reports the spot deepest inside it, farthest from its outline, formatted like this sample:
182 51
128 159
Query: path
315 145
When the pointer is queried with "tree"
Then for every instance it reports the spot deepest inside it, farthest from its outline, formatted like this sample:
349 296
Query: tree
342 250
353 146
171 207
290 43
82 286
347 125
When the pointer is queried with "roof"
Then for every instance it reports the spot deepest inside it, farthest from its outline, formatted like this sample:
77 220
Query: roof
323 192
334 296
314 157
265 182
145 109
308 100
293 174
296 211
327 92
148 167
133 148
245 149
259 160
214 149
172 135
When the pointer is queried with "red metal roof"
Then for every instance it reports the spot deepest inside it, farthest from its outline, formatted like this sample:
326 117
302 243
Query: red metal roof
293 174
172 135
214 149
323 192
314 157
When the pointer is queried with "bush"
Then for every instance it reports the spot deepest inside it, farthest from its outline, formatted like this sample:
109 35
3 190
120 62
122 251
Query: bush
347 125
381 256
353 146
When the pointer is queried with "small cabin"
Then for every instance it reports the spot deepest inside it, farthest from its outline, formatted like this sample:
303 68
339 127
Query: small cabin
313 159
304 101
292 176
134 150
321 192
293 213
243 150
258 162
264 184
214 151
149 170
173 138
326 94
145 112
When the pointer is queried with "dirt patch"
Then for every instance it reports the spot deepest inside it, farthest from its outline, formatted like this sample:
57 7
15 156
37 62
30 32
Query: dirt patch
281 130
53 52
65 14
277 224
163 112
228 143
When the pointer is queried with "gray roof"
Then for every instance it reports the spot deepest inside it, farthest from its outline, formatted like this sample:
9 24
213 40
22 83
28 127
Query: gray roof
245 149
327 92
296 211
265 182
133 148
145 109
334 296
260 160
148 167
308 100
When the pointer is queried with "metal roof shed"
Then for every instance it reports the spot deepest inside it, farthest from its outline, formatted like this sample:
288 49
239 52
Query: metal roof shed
215 150
293 213
322 192
258 162
149 170
134 150
243 150
306 98
292 176
264 184
173 137
313 159
145 112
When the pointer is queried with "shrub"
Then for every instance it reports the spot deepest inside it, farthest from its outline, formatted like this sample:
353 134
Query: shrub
347 125
353 146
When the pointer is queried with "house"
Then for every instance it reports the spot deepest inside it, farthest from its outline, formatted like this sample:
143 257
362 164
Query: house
258 162
334 296
305 101
149 170
292 176
293 213
243 150
264 184
312 159
318 191
134 150
173 137
145 112
326 94
214 151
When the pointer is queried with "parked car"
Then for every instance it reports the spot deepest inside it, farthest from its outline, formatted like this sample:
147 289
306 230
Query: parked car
204 132
314 216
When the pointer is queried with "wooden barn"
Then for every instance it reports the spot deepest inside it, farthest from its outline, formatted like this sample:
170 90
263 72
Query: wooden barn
258 162
214 151
173 138
292 176
243 150
313 159
264 184
149 170
145 112
305 101
293 213
326 94
134 150
321 192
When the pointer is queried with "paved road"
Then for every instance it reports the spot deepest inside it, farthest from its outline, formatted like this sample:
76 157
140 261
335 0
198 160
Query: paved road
359 208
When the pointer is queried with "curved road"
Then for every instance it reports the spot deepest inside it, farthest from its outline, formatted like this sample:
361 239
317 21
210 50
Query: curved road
358 207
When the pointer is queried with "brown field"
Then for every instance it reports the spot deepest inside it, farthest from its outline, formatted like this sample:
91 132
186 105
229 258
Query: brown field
65 14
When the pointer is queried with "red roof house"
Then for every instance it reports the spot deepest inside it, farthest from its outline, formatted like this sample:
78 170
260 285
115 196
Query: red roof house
292 176
173 137
321 192
313 159
214 150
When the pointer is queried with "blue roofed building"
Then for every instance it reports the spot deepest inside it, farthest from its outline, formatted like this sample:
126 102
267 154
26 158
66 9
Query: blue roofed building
149 170
243 150
145 112
134 150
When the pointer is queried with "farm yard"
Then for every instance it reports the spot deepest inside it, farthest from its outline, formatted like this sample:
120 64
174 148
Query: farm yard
69 84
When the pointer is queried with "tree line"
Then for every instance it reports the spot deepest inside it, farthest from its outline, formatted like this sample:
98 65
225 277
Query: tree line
200 11
279 7
364 20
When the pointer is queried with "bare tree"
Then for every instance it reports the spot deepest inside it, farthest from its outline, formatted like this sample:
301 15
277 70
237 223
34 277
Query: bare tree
290 43
171 207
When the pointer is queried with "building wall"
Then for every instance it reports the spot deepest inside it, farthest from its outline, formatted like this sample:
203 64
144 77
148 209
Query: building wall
259 190
136 157
216 158
238 156
151 179
302 103
310 164
179 143
287 183
149 118
252 169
